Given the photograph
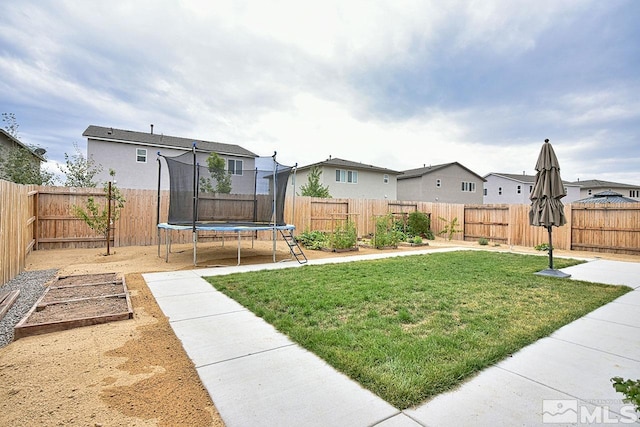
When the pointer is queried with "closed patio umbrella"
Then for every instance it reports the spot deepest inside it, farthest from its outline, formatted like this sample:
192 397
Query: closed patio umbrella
546 208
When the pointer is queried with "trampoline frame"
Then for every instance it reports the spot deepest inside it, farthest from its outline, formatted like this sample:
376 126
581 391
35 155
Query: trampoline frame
221 228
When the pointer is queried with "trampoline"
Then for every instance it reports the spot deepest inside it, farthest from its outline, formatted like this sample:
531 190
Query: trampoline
205 199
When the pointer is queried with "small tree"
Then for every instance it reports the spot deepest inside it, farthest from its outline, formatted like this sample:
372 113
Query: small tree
80 170
450 228
216 166
101 219
18 164
313 187
10 124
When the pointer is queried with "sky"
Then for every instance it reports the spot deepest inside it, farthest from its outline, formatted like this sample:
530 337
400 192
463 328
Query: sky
396 84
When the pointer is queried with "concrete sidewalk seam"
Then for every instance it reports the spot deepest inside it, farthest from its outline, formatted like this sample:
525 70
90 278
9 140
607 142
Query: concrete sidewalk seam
208 315
245 355
595 349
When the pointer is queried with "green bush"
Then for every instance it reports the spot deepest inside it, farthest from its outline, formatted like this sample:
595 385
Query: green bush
417 240
482 241
542 247
344 236
314 240
419 224
630 388
386 235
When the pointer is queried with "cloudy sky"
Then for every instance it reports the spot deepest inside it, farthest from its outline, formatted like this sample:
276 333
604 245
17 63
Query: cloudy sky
396 83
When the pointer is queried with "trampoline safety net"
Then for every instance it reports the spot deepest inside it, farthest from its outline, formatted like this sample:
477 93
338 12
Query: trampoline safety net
244 196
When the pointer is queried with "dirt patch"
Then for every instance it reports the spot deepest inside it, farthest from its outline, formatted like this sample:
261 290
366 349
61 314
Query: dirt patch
133 372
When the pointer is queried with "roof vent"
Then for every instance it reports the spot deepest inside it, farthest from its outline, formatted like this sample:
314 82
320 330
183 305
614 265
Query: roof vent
110 131
40 151
152 129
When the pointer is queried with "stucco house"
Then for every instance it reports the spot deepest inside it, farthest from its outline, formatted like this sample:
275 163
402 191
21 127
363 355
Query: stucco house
8 142
133 155
445 183
516 188
350 180
590 187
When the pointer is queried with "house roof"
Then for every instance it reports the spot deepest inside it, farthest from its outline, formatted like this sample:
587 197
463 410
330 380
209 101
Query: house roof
347 164
525 179
415 173
607 197
596 183
20 144
158 140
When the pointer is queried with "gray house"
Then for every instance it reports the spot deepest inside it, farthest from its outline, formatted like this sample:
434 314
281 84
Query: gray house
446 183
515 189
133 156
590 187
8 142
350 180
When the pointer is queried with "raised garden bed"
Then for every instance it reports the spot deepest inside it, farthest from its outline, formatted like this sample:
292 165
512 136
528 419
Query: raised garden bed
74 301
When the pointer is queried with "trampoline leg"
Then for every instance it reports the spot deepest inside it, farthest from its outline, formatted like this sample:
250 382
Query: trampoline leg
167 242
238 248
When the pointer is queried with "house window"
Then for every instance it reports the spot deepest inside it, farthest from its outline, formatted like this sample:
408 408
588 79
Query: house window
234 167
530 189
141 155
468 187
485 191
519 189
499 191
346 176
438 183
385 178
634 193
589 192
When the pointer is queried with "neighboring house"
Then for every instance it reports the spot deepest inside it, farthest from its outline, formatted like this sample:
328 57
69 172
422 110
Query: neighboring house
446 183
8 142
607 197
133 156
351 180
591 187
516 188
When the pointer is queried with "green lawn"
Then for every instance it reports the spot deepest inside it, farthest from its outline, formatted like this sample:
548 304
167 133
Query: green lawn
408 328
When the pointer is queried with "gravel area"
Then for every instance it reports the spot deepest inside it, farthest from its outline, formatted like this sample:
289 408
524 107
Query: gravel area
31 285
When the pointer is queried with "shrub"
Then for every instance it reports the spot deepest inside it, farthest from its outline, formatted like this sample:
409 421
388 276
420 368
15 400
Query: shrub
542 247
344 236
417 240
419 224
630 388
482 241
450 228
385 234
314 240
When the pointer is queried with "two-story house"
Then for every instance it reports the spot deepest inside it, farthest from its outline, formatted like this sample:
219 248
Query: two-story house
515 189
445 183
590 187
132 155
350 180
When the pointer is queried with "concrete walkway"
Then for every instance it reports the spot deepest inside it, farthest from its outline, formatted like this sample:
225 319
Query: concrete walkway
258 377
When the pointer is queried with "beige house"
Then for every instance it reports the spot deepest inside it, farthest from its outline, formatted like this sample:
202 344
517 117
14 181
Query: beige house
350 180
590 187
446 183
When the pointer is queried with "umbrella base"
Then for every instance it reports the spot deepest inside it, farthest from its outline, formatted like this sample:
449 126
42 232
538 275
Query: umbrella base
553 273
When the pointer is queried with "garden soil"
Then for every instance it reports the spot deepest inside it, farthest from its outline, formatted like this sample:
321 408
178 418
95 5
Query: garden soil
130 372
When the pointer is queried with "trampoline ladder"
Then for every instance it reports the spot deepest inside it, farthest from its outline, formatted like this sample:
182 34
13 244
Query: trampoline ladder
294 247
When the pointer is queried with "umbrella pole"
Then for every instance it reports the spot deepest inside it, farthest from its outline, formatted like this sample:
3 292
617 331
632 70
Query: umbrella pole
550 249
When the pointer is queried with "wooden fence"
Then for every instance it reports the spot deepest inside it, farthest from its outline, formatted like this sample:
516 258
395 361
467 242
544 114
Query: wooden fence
41 218
17 227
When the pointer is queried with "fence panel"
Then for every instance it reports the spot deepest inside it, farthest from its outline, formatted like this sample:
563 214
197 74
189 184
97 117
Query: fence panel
17 225
490 222
606 228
